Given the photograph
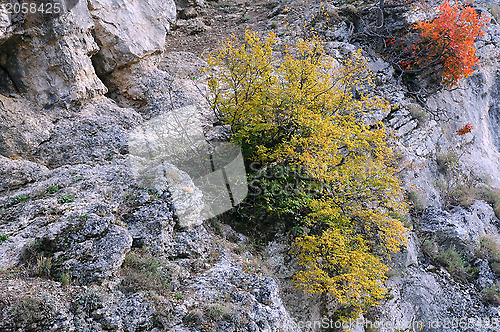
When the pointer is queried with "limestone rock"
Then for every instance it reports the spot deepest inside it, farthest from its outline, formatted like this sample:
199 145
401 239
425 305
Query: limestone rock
76 215
151 223
258 296
129 31
462 227
486 278
97 133
20 133
54 68
16 173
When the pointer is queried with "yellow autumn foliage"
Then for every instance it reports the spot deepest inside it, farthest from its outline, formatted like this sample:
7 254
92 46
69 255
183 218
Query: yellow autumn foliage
300 108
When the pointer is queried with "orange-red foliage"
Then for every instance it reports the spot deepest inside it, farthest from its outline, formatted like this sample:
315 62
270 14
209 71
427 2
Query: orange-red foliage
465 129
452 35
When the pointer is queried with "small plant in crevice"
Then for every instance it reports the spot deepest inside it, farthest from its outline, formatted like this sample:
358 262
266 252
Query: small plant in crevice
154 193
418 113
65 279
52 189
21 198
66 199
3 237
87 302
256 265
461 186
458 184
446 160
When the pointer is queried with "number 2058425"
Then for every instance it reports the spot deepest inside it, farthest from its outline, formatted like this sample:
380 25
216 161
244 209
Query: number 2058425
31 8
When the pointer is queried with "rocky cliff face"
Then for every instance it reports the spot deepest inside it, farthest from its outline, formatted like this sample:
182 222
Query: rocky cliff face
86 245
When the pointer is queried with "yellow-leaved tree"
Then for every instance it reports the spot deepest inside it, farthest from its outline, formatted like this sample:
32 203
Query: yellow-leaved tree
301 110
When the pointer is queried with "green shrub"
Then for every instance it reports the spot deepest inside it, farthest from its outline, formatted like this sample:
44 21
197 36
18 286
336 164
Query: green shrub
455 263
3 237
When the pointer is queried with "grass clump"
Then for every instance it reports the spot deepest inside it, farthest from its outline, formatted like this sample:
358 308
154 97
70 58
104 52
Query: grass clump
142 271
3 237
195 316
30 313
38 258
489 249
491 196
416 201
451 259
65 279
216 312
43 266
491 295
